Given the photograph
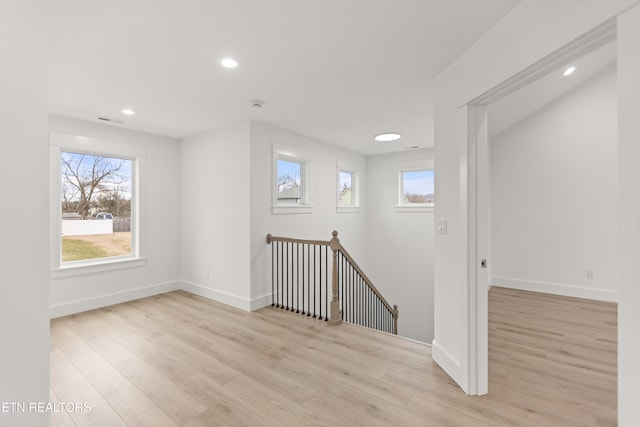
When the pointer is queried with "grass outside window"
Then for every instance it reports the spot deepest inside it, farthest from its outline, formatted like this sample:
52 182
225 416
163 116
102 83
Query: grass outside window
77 248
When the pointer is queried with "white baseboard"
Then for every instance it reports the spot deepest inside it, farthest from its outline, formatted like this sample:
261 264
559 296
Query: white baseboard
220 296
87 304
260 302
450 365
555 289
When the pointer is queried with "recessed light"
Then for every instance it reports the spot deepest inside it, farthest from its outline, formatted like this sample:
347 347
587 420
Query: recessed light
229 63
128 112
569 71
387 137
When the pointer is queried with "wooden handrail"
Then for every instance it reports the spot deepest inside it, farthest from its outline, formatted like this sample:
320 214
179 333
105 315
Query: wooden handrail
271 238
393 310
337 248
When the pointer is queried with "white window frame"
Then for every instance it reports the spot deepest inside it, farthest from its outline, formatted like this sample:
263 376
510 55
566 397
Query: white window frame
305 206
348 167
59 143
412 207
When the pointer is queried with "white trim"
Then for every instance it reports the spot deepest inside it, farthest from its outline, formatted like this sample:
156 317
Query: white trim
555 289
415 208
348 209
479 234
448 363
87 304
287 210
417 164
59 142
84 144
220 296
377 331
280 151
409 166
92 303
260 302
401 172
350 168
597 37
96 266
55 214
475 187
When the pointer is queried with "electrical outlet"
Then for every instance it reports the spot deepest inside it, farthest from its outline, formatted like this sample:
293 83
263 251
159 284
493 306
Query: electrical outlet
591 273
207 273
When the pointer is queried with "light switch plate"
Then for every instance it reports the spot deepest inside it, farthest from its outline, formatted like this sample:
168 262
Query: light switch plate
441 225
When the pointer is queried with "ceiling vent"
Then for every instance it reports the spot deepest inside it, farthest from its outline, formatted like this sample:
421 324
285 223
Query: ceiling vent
107 119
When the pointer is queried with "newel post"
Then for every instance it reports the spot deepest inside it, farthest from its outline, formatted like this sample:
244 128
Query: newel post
336 314
396 314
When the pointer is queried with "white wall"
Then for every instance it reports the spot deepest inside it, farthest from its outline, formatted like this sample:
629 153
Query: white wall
162 269
629 218
400 244
215 202
508 48
554 196
24 288
219 238
316 225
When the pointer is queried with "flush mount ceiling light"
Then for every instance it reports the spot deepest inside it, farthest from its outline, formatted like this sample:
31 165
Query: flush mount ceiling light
387 137
128 112
569 71
229 63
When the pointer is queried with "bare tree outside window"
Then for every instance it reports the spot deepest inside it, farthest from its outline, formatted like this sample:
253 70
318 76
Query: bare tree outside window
89 180
96 193
289 185
417 187
345 189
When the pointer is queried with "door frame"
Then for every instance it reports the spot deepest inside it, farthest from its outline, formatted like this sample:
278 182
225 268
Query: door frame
479 192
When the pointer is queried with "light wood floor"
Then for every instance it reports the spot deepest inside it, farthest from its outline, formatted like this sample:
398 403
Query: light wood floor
181 360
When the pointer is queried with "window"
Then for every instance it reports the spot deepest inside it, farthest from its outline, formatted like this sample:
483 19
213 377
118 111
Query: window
95 204
289 189
417 188
347 186
348 197
290 184
346 194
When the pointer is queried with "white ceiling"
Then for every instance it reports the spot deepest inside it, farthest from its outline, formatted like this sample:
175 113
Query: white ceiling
339 71
513 108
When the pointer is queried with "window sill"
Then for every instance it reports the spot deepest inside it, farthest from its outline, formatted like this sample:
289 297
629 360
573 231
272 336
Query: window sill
292 209
414 208
81 268
348 209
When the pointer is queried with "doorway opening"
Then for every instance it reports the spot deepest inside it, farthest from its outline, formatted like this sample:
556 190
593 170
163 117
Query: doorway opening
499 205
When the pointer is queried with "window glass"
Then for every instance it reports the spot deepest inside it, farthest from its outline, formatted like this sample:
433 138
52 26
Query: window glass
96 194
346 189
289 185
417 187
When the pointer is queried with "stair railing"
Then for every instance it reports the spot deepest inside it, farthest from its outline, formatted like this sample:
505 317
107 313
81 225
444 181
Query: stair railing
301 283
300 275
